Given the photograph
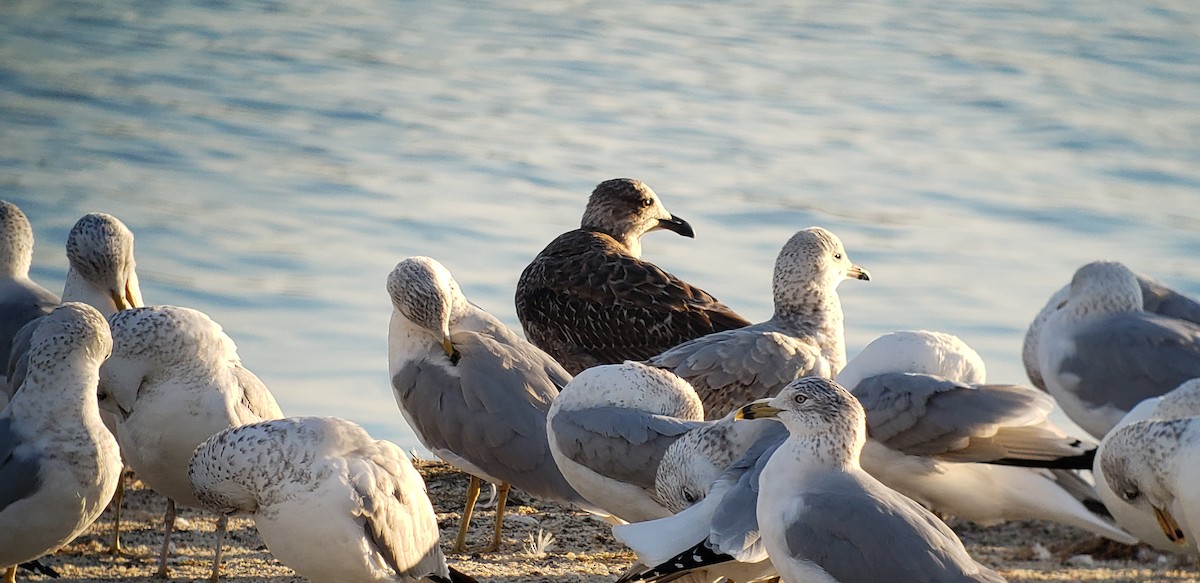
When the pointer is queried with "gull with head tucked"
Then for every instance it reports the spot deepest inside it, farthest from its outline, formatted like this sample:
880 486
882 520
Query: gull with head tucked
805 336
1102 353
475 393
588 298
329 501
173 381
59 466
21 298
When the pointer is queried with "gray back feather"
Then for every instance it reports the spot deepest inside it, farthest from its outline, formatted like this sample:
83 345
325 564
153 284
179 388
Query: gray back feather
618 443
20 476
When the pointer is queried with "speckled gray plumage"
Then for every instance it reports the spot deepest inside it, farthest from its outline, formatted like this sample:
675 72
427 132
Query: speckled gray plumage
805 335
588 298
21 299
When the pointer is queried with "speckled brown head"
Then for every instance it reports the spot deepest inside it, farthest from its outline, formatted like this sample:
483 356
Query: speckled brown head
626 209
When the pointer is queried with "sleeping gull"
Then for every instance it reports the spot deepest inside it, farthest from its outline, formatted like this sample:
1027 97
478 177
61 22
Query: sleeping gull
174 380
960 447
1156 298
101 272
1153 465
21 298
819 516
329 500
1134 516
59 466
1102 353
612 425
475 393
588 298
804 337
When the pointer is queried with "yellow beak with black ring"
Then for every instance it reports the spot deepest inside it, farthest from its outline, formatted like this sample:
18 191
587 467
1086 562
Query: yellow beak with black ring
757 410
1169 527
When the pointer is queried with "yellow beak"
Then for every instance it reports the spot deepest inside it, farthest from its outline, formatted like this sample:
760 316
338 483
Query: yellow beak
757 410
447 346
1169 527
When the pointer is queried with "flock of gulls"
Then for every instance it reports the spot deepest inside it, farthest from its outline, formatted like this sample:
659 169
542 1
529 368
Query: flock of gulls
719 449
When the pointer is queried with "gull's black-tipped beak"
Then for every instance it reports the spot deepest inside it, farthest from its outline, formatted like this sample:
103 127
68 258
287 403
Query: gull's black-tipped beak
757 410
1169 526
857 272
677 225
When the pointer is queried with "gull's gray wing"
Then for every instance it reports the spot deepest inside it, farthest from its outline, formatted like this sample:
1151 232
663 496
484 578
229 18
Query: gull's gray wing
618 443
18 357
1165 301
20 476
1122 359
586 302
927 415
493 413
731 368
256 398
860 531
398 518
18 305
735 523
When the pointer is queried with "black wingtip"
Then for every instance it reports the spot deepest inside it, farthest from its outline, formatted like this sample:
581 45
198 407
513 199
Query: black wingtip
1083 461
457 576
36 566
698 556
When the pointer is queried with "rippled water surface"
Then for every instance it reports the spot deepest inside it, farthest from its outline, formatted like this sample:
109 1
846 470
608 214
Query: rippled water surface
276 159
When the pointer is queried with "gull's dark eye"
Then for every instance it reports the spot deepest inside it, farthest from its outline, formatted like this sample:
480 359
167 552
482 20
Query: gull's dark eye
1130 495
800 398
837 255
647 202
689 497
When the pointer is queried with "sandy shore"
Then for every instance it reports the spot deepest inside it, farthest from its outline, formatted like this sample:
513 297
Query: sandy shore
583 550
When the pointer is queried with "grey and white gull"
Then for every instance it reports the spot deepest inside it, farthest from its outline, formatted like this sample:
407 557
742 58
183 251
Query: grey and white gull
1157 298
174 380
589 298
101 272
1102 353
818 515
330 501
1154 465
21 298
804 337
475 393
59 465
1130 509
613 424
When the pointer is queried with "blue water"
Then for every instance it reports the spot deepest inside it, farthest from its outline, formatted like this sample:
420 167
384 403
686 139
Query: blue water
276 159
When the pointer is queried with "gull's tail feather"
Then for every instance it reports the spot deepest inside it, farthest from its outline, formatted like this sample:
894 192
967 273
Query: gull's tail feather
1082 461
456 576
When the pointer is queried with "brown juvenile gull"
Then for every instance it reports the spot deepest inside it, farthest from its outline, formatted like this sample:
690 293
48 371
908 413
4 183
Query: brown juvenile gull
475 393
58 464
588 298
1156 299
330 501
174 380
1102 353
805 336
101 272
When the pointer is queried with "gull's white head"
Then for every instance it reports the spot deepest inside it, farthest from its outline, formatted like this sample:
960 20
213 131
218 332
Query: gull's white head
915 351
1102 288
813 260
101 267
425 293
74 334
16 241
637 386
818 409
1138 464
158 343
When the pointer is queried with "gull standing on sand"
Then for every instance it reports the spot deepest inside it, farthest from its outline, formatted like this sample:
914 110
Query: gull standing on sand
174 380
804 337
1102 353
612 426
101 272
588 298
21 298
59 466
330 501
1156 298
475 393
1136 515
